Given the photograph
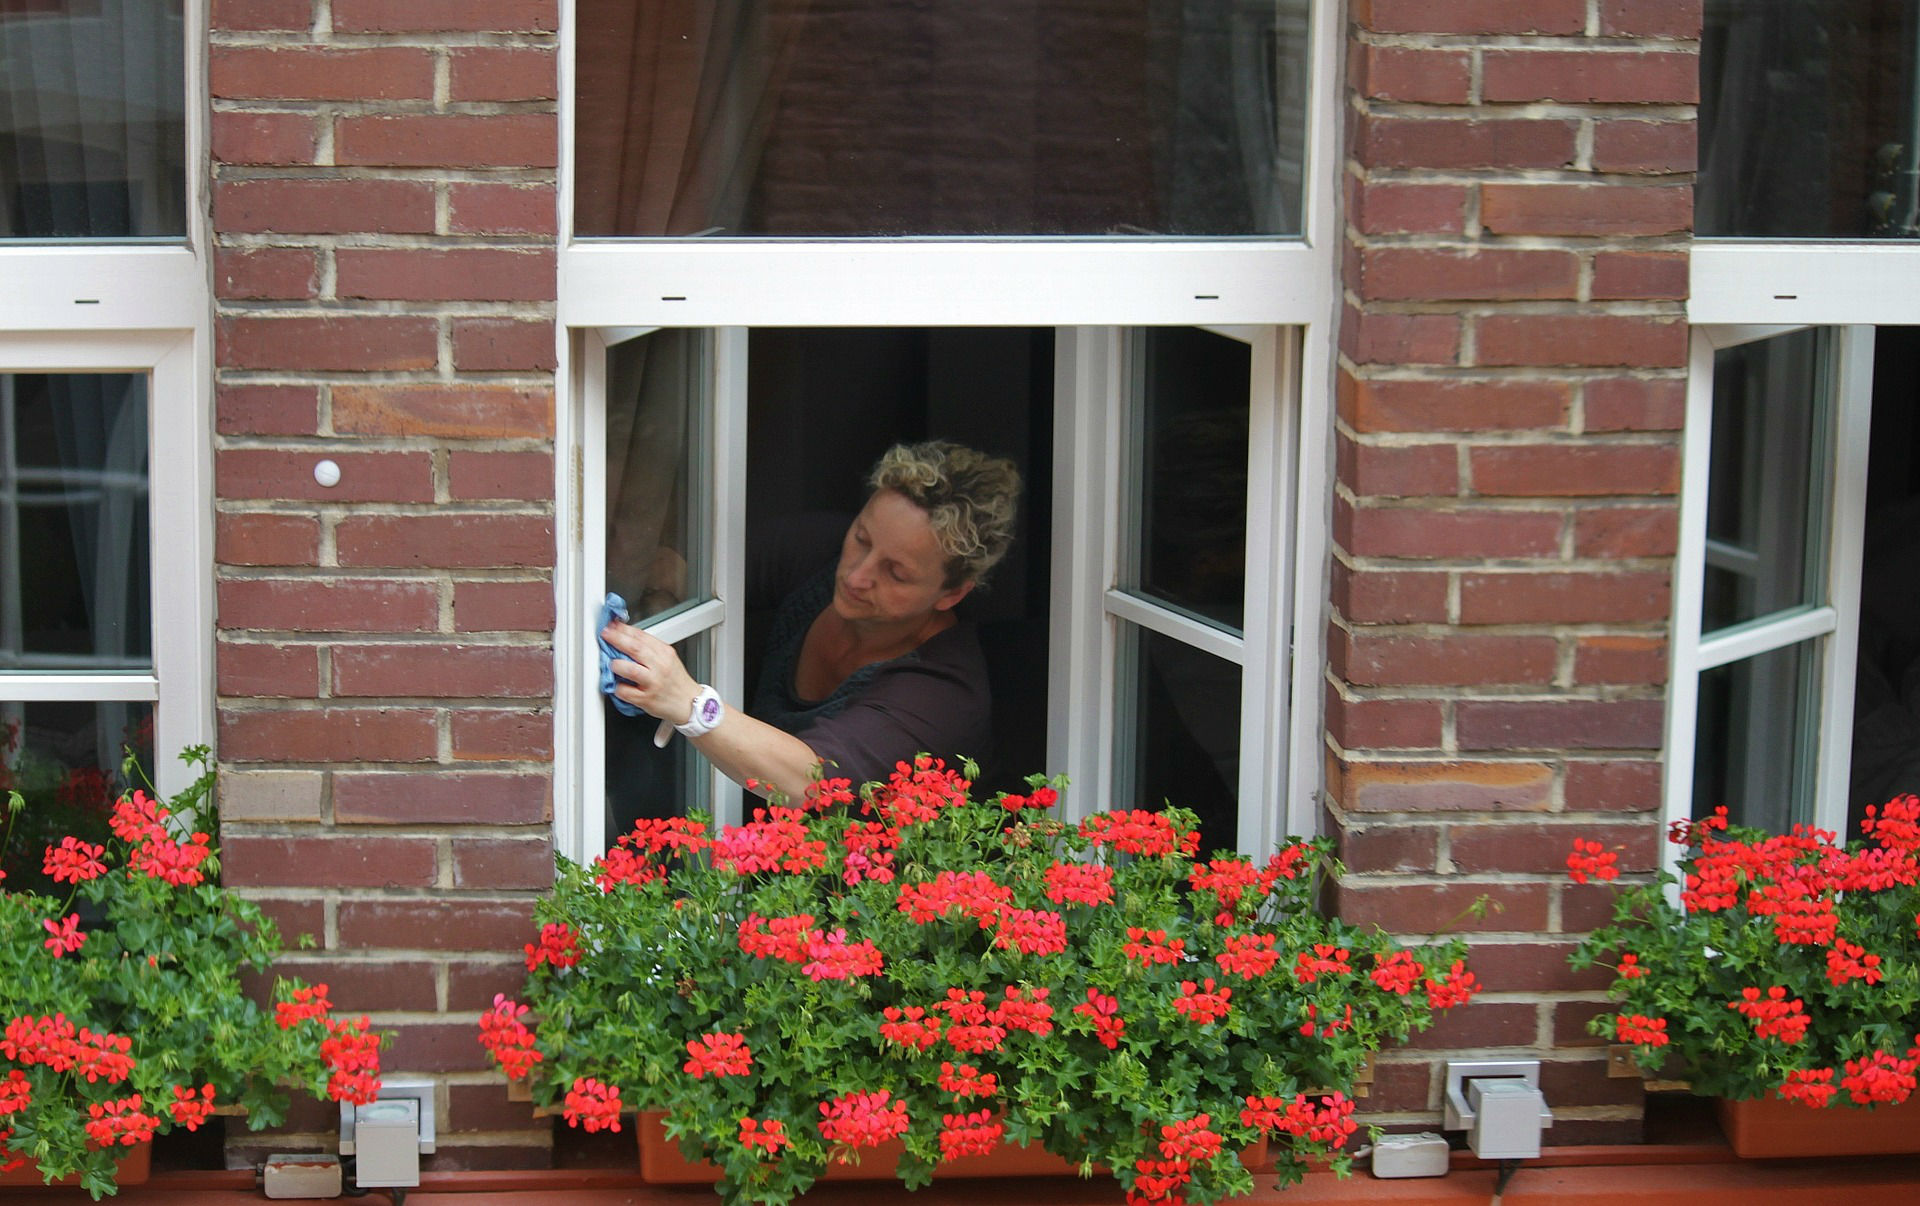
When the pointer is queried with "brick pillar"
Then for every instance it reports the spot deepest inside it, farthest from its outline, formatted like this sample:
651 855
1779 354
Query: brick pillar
1511 386
384 216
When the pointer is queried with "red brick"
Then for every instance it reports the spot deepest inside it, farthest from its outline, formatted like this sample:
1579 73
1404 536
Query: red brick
1562 724
503 209
486 1108
273 473
503 607
1620 660
1453 404
1368 596
1411 74
320 73
265 273
1377 724
442 671
1401 1087
330 862
502 345
1626 532
1447 143
366 985
1563 598
1587 1082
266 409
347 343
1586 209
1640 275
442 798
1548 470
1424 534
1484 1024
1380 208
473 985
289 671
325 206
1400 338
446 16
445 540
294 918
329 605
1403 908
502 863
498 735
1650 18
496 73
1399 661
1443 786
453 140
242 16
1635 404
1615 785
276 138
1425 274
1398 470
1585 907
1390 848
515 475
1606 77
459 274
434 1047
1650 147
1570 1020
467 411
1533 966
257 538
1472 16
328 735
467 923
1483 848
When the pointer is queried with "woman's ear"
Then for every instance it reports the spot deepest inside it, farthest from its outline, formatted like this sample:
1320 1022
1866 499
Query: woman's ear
952 597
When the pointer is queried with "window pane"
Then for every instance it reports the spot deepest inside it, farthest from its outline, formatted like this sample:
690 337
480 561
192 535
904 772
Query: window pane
1186 540
92 135
73 522
1767 485
1177 733
64 759
656 411
1807 119
1755 736
983 117
645 780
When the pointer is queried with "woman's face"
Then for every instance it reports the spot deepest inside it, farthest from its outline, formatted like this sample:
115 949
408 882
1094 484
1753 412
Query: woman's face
891 567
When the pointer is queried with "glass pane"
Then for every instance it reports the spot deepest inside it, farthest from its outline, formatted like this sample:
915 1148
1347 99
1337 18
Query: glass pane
64 759
1808 119
950 117
645 780
1767 484
1186 538
1755 738
1177 733
92 132
73 522
656 415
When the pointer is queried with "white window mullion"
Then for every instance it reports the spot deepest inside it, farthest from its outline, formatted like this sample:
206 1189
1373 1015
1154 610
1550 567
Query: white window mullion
1689 583
1764 635
1853 400
727 480
1264 687
580 769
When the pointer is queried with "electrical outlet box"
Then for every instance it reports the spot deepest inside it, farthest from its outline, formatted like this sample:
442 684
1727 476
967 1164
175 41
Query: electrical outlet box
387 1144
301 1176
1423 1155
420 1091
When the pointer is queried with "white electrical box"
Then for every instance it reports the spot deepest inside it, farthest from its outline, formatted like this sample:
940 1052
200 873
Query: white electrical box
1423 1155
387 1144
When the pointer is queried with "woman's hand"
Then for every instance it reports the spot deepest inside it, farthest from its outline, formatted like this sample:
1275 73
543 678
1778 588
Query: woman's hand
651 675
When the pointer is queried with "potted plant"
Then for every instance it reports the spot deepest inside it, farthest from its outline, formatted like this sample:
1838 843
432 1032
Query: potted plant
122 1004
911 966
1777 973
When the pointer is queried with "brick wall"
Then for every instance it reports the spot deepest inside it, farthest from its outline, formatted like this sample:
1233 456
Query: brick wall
383 195
1511 386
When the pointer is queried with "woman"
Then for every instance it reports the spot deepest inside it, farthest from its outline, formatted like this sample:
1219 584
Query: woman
866 665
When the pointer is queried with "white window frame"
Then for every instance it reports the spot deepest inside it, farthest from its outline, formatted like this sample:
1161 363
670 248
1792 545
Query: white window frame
1283 290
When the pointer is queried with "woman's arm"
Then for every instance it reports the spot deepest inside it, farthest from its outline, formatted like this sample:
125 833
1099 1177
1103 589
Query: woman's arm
653 679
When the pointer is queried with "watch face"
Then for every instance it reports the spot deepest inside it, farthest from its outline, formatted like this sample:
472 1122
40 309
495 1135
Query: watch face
710 709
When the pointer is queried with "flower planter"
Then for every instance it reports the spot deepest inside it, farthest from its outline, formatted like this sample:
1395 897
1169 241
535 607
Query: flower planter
662 1164
1767 1127
132 1169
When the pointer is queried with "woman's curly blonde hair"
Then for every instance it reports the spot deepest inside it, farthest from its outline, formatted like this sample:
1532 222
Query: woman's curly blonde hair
969 498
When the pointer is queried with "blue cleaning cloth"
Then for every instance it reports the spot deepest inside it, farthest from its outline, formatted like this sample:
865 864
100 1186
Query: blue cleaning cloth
615 608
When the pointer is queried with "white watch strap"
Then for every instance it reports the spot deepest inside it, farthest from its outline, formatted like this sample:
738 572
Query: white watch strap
707 713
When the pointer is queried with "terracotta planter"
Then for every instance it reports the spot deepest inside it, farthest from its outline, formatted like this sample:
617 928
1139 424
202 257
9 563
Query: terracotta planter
662 1164
1769 1127
134 1166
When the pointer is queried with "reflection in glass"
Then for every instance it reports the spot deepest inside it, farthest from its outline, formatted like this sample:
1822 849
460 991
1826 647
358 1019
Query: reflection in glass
1754 738
1767 483
1810 119
1177 733
656 404
92 134
983 117
1186 542
74 556
648 781
64 759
